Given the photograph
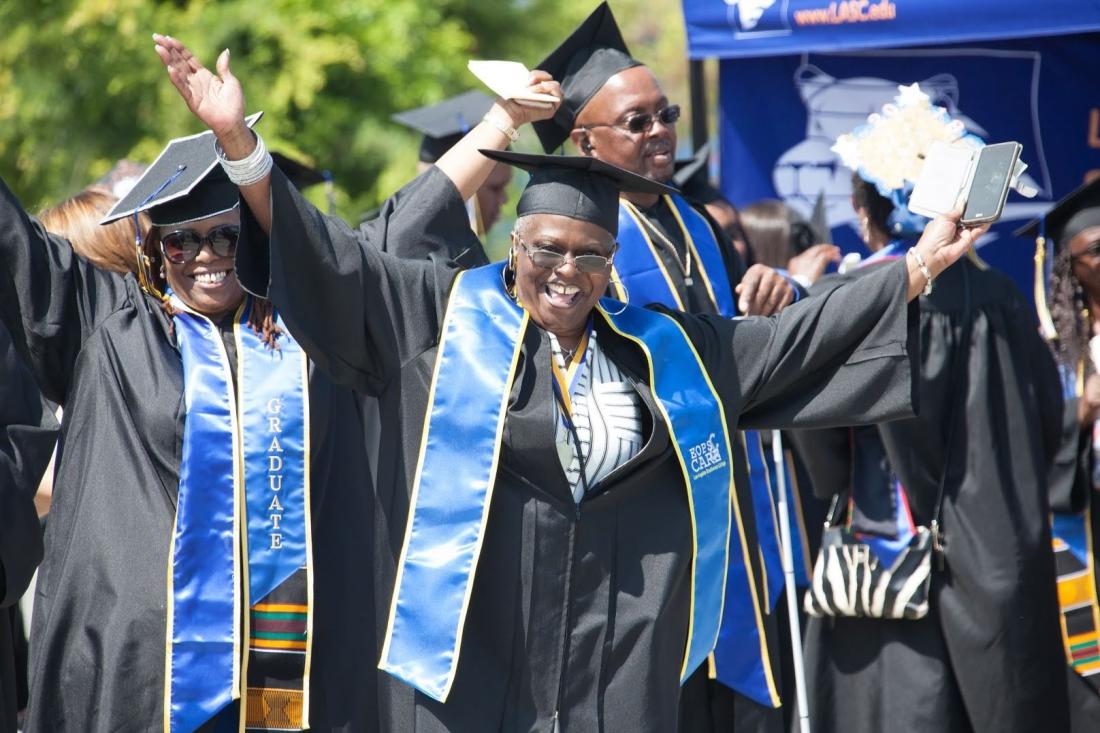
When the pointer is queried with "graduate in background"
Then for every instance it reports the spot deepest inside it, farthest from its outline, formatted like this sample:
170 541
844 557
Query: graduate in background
1070 316
442 125
595 566
986 656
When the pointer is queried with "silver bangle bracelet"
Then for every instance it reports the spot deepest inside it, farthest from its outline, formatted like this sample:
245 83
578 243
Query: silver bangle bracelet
923 267
250 169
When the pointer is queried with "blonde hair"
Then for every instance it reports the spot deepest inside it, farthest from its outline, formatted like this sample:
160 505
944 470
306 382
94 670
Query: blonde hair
109 247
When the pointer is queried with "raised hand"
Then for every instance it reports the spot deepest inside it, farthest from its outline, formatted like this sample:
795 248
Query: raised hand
944 241
216 99
522 113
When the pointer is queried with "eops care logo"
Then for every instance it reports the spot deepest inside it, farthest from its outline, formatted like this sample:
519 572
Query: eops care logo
706 457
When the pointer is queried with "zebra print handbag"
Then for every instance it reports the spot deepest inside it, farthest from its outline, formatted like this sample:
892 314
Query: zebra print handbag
849 579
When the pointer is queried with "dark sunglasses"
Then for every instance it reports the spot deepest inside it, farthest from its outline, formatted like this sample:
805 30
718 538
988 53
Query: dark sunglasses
548 259
643 122
184 245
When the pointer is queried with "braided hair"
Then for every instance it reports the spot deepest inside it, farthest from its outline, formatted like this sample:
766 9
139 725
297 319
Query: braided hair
1066 301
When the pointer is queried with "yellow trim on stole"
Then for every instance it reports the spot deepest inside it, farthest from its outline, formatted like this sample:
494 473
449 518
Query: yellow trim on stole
240 519
503 413
308 500
691 508
690 242
633 213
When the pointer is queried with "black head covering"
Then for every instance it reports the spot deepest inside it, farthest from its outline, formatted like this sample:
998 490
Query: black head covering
183 184
579 187
693 177
443 124
582 64
1076 212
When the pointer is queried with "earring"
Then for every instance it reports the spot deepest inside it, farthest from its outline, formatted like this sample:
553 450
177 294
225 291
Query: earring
509 271
620 288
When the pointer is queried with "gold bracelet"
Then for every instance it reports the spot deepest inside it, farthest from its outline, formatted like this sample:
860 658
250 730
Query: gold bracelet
923 270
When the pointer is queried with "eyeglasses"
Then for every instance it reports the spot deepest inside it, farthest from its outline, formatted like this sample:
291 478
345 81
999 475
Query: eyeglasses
548 259
184 245
643 122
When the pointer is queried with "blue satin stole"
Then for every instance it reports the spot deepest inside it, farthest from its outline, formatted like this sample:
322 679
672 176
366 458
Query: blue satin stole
638 262
639 267
476 365
244 464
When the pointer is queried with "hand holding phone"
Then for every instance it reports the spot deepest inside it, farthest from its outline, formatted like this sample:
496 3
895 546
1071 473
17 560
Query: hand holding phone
978 179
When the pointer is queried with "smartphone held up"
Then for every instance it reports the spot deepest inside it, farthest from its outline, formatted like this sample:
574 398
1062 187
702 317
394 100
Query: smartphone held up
978 179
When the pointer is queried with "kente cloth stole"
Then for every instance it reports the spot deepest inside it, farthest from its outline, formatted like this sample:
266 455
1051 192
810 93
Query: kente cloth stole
240 565
639 266
478 355
1075 564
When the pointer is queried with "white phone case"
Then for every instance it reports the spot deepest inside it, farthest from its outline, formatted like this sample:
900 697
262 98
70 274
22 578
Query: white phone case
943 179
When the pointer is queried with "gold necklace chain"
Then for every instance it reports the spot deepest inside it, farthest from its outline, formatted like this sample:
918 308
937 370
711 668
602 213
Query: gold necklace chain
683 263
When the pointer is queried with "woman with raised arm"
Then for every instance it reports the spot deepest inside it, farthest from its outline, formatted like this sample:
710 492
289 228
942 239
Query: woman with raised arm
208 555
558 490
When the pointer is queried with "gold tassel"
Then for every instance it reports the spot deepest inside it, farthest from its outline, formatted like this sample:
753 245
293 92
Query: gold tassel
1046 323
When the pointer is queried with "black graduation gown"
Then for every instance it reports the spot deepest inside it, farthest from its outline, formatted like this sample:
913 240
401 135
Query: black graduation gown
28 432
101 347
988 656
1071 490
579 610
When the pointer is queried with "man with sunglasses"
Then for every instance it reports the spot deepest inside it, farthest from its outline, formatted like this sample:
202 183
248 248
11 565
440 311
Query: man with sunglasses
670 251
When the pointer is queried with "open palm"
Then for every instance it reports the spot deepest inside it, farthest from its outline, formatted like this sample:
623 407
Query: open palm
216 99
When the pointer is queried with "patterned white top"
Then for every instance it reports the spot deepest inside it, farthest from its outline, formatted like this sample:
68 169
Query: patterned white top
606 415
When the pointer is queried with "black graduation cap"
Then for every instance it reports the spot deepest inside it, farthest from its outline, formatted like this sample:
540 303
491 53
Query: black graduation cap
302 176
1076 212
692 176
443 124
582 64
579 187
183 184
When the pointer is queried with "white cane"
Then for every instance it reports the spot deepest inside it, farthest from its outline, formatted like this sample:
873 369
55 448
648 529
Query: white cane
792 592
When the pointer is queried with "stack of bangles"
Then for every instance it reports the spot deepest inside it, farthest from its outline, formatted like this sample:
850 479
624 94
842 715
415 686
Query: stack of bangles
248 170
923 267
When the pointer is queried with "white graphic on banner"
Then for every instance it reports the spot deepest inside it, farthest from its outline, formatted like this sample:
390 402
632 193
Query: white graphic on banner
835 106
757 18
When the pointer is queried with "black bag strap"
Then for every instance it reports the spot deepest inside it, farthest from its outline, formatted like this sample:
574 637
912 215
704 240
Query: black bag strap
958 361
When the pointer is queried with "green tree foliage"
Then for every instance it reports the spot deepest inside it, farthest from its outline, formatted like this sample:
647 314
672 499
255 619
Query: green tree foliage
80 85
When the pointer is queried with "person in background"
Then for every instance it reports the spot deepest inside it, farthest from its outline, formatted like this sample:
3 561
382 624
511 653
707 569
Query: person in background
1070 318
77 219
445 123
779 237
972 467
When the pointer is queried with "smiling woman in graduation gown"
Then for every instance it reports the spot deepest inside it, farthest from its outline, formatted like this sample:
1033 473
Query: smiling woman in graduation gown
581 605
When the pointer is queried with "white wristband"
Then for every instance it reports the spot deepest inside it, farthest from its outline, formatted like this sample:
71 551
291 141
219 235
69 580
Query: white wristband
250 169
510 132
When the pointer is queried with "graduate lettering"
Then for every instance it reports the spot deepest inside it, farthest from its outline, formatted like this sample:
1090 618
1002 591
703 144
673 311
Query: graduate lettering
275 470
706 457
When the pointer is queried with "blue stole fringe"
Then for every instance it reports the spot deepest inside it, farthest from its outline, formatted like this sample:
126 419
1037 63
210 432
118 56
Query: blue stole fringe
229 455
452 489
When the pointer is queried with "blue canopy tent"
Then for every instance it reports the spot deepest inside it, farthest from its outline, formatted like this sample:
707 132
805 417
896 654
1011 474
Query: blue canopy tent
795 74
